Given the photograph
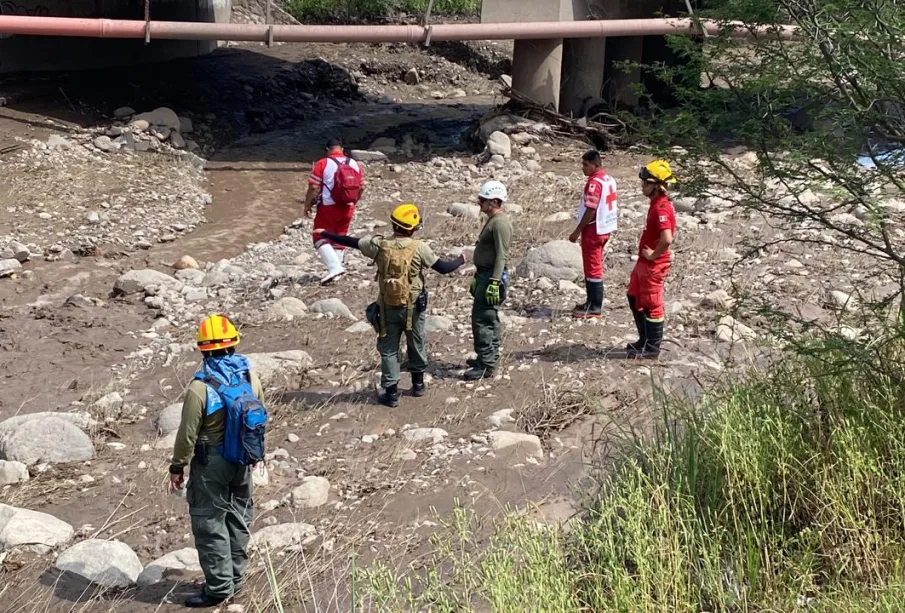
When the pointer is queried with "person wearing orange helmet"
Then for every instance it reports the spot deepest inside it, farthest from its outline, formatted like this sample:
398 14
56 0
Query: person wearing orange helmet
645 290
219 492
402 300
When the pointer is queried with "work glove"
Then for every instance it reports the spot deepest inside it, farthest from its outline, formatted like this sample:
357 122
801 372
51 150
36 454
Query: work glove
492 295
474 286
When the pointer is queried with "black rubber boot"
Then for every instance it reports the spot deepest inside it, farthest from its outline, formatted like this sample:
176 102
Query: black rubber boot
473 362
478 372
592 308
418 387
654 332
639 325
389 397
202 601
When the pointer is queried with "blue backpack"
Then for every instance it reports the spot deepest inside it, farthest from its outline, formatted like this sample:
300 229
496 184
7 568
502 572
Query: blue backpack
246 421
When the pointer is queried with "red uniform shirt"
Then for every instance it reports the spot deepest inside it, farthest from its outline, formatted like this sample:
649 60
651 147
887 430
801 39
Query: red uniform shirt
660 216
593 190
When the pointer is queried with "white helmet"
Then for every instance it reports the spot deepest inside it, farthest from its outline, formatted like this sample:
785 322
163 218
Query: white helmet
494 190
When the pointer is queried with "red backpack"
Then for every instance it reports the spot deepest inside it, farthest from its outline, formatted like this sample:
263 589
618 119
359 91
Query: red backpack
346 183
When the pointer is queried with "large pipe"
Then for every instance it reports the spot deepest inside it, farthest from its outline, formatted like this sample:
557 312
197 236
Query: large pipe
186 30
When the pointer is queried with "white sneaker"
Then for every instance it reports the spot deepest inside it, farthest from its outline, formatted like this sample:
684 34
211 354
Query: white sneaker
333 263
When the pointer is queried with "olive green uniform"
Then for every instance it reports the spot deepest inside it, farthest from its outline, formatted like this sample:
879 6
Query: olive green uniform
219 493
395 318
490 258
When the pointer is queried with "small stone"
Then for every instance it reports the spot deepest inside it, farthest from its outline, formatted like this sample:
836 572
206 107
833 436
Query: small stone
406 455
420 435
333 307
360 327
842 301
533 166
502 440
185 125
731 331
437 323
105 144
12 473
9 267
460 209
186 262
312 493
123 112
32 531
719 300
501 417
569 286
161 117
287 309
19 251
412 77
369 156
177 140
182 560
79 301
293 438
498 143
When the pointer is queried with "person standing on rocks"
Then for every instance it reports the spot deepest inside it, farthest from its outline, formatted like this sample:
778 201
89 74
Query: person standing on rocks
597 220
219 491
335 186
402 300
488 287
645 290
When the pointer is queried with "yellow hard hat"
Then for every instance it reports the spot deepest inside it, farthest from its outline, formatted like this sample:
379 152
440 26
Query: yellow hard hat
217 332
406 217
657 171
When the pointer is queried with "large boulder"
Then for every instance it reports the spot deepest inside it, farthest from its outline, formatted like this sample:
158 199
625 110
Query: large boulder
49 439
110 564
282 536
272 367
558 261
184 559
80 419
169 419
162 118
32 531
499 144
137 281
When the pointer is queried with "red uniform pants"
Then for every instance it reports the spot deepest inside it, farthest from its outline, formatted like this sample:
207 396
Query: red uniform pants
646 287
592 252
335 218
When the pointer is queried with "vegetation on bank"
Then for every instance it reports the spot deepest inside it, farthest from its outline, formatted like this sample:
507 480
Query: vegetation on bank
362 10
781 492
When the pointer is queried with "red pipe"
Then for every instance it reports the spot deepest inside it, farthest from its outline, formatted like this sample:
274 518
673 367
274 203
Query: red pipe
186 30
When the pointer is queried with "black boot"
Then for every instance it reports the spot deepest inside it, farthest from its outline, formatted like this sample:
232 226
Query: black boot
592 308
202 601
418 387
389 397
639 325
653 331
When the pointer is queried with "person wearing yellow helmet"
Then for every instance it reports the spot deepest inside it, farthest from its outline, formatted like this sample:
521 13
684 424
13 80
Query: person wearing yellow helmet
219 491
645 290
402 299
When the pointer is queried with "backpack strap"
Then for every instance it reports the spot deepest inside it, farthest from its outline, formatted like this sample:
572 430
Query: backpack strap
410 252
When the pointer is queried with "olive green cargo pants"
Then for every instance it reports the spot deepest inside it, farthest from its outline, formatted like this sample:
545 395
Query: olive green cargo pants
221 509
388 345
485 322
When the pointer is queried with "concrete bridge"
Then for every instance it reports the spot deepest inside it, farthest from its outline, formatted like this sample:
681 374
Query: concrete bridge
25 53
569 74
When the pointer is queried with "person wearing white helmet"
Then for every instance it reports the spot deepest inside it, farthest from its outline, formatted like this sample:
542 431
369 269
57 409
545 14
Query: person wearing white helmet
488 287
